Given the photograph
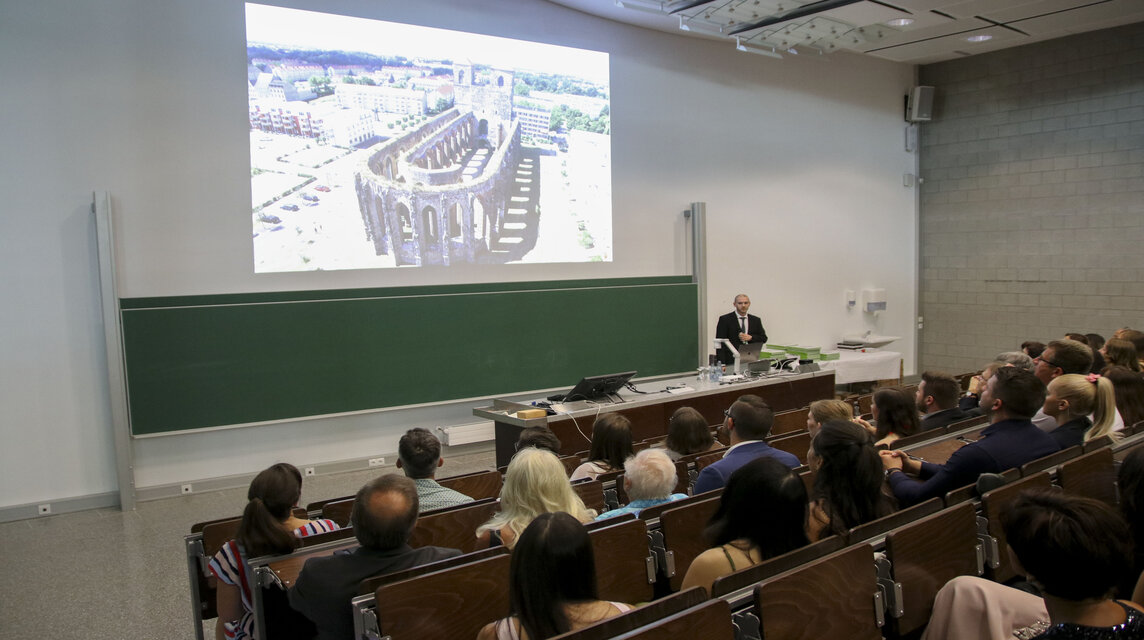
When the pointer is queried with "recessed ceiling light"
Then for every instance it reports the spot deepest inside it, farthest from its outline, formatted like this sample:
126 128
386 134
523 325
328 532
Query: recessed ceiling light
980 38
900 22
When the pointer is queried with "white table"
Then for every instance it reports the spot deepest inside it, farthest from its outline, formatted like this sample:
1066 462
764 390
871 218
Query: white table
864 366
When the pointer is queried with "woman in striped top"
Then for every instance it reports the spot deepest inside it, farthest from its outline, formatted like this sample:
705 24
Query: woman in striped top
268 527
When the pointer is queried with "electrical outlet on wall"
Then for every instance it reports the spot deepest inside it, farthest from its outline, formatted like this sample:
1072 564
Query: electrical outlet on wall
309 471
187 488
376 462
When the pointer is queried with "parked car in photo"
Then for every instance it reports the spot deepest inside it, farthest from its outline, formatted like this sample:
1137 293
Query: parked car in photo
323 188
290 207
309 198
269 219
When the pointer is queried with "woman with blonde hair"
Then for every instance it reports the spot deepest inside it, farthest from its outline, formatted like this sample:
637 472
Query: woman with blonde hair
1071 399
822 411
534 483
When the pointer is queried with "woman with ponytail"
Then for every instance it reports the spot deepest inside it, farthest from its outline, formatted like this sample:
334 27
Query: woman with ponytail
1072 399
268 527
848 480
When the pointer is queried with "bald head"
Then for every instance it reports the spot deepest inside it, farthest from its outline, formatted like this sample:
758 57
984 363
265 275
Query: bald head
384 512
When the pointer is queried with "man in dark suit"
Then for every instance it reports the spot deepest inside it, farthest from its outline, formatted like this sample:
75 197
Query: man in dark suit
384 513
1011 397
749 420
739 327
937 399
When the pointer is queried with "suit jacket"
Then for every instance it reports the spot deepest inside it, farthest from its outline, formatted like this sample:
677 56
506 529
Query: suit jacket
1003 445
714 476
728 327
326 584
942 419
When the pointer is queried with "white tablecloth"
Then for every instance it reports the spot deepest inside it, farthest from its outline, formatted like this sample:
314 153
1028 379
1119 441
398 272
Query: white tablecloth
858 366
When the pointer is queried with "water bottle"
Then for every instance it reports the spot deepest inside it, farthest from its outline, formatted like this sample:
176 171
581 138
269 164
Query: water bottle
717 373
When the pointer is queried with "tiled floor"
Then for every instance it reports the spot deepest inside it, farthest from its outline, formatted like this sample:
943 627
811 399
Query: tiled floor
111 574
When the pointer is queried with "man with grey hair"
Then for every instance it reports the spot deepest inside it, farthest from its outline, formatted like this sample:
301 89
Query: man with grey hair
383 517
1018 359
649 479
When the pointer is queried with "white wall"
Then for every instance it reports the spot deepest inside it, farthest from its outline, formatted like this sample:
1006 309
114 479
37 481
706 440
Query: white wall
800 164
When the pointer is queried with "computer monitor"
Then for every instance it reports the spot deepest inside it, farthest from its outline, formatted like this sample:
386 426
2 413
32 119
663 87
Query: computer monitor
593 387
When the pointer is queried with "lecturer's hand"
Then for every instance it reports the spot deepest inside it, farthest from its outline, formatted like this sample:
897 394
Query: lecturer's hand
744 337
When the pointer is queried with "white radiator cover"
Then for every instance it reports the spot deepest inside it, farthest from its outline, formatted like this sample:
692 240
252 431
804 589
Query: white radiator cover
467 433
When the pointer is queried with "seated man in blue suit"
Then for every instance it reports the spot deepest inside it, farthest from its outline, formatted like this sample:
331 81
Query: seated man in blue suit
749 421
1011 397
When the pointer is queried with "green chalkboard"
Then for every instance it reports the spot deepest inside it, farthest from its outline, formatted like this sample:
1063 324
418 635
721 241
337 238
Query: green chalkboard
206 361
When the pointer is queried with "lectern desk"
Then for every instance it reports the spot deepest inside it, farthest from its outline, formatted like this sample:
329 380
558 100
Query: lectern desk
649 413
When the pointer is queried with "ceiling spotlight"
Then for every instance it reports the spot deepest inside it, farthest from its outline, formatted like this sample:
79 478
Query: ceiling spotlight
900 22
982 37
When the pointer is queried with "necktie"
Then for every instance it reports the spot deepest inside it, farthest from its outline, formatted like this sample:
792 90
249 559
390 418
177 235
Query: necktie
743 323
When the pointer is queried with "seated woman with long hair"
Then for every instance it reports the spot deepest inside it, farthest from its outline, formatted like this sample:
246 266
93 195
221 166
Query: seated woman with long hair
822 411
896 416
611 445
552 583
848 480
688 433
268 527
534 483
1071 399
1121 353
1075 550
761 514
1128 389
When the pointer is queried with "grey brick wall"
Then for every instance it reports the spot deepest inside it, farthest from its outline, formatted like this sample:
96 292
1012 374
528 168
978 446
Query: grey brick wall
1032 200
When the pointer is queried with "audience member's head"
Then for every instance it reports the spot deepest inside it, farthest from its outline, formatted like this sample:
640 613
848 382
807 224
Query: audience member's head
552 566
895 412
1079 337
384 512
1095 341
649 475
1074 548
1013 394
1133 336
272 495
539 437
751 418
1121 353
611 440
1128 387
1018 359
688 432
937 392
822 411
848 475
1061 357
534 483
1073 396
419 453
765 503
1033 348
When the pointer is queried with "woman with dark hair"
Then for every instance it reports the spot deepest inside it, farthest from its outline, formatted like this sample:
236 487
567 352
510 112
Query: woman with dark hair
611 445
1128 388
552 583
896 416
1075 550
687 433
761 514
1121 353
268 527
1130 486
848 480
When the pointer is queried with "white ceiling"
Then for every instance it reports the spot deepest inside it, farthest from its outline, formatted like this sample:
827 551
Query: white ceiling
939 30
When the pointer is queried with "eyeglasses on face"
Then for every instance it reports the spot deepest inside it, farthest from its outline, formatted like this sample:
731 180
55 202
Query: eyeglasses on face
1047 361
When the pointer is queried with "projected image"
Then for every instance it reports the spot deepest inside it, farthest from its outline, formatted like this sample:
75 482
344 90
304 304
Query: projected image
376 145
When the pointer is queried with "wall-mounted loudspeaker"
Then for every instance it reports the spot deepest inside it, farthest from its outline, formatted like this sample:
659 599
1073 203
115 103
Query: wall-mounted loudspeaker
919 104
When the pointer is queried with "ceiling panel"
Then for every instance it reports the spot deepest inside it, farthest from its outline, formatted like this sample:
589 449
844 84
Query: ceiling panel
861 26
